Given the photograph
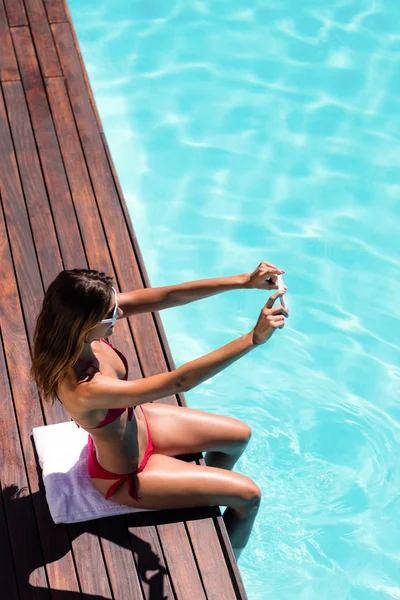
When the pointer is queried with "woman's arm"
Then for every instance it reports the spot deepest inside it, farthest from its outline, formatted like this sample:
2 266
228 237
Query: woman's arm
151 299
106 392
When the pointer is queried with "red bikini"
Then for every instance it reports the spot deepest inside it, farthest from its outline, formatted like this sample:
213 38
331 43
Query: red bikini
113 413
95 469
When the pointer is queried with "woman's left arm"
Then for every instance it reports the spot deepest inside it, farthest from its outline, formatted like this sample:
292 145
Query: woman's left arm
151 299
264 277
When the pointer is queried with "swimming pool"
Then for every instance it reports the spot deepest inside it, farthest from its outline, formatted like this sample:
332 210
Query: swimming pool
266 130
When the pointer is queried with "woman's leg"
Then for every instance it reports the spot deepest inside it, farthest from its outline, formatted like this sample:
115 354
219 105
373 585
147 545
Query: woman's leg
224 460
239 525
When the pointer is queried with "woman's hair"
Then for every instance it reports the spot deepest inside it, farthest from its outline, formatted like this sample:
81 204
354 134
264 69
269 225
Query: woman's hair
74 303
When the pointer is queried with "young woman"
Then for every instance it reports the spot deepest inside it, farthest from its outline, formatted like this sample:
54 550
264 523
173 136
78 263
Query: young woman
132 441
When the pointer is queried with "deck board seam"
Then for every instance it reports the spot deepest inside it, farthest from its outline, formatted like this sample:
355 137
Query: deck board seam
28 110
171 580
20 182
190 535
89 177
14 52
40 85
11 392
43 81
82 64
85 254
218 522
83 153
37 259
44 422
3 509
7 9
84 158
104 559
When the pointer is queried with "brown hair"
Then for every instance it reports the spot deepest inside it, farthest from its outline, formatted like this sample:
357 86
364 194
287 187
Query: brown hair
73 304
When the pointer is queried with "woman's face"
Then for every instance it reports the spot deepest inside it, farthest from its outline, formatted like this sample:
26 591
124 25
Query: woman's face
105 329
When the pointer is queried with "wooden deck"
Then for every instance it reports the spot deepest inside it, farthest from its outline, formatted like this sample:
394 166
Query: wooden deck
62 208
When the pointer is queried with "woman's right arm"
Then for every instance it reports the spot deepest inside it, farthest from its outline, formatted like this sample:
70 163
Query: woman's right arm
109 392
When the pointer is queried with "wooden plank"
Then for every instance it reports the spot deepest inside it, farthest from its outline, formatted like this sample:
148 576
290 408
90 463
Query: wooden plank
125 578
103 188
147 343
56 10
20 234
116 553
8 64
210 556
61 573
27 404
90 565
15 12
227 549
91 582
84 71
27 558
43 38
37 203
148 555
85 203
160 556
9 581
40 221
67 227
84 539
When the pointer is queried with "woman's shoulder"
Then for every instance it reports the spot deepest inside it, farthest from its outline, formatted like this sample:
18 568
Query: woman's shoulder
70 390
76 404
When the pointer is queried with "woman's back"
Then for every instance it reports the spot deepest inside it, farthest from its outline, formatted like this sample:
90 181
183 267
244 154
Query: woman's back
119 437
112 413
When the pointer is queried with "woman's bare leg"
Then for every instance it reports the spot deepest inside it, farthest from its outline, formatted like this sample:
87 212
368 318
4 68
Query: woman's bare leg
224 460
239 525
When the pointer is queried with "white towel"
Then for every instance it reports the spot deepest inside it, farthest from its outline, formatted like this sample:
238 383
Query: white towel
70 493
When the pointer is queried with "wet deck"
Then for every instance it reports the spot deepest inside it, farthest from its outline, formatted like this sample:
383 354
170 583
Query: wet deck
62 208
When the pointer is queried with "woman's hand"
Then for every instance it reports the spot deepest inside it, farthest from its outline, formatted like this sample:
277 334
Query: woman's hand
264 277
271 318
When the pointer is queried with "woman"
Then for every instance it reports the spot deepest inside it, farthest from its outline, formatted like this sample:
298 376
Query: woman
132 442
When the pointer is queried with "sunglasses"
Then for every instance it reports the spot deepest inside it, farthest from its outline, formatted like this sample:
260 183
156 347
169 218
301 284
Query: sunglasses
115 313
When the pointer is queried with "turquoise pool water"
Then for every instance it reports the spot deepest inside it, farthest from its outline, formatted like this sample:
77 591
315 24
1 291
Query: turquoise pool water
269 130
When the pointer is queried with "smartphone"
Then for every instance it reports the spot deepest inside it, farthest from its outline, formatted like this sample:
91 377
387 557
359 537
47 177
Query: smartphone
281 286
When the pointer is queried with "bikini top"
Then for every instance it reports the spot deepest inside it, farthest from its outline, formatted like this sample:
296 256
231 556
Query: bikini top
112 413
